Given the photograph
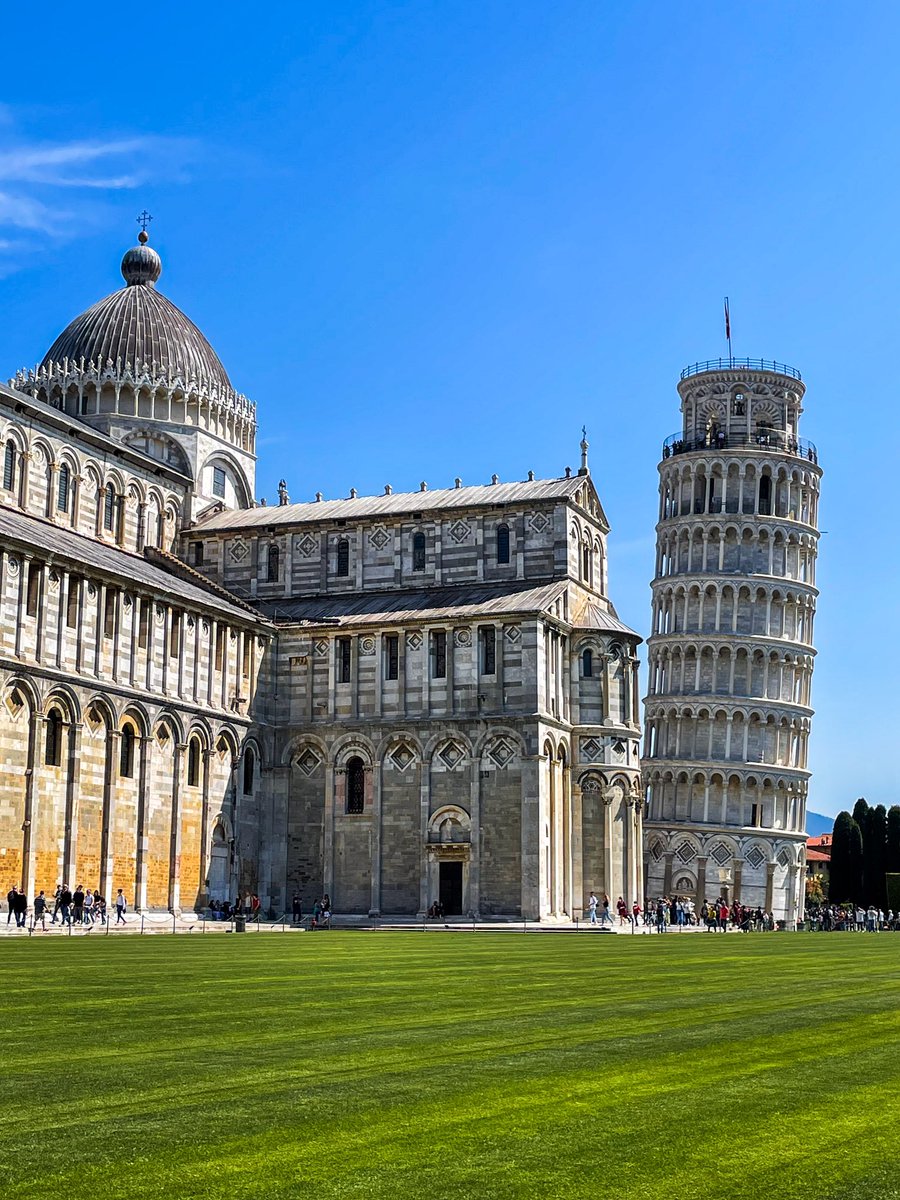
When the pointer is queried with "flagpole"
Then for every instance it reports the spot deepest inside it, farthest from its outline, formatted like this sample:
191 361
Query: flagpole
728 333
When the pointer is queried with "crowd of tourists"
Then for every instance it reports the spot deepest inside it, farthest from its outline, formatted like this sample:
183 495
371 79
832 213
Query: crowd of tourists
679 912
851 918
83 906
247 906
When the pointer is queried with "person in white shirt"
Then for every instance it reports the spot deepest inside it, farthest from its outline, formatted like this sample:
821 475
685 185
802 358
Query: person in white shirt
592 908
120 907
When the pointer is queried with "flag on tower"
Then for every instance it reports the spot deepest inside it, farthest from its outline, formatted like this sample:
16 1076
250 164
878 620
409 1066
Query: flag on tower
727 321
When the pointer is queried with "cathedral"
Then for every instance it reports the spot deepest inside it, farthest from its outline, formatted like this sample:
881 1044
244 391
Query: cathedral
393 699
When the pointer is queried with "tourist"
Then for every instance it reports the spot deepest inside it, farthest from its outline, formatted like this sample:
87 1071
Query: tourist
21 908
121 905
57 901
65 904
622 910
635 914
11 902
99 908
254 908
88 907
296 908
723 916
607 918
40 910
661 915
78 905
592 908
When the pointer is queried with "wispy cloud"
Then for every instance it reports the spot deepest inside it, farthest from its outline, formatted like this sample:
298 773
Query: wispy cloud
49 190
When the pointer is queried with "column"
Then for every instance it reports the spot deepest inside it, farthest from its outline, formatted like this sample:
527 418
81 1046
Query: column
73 779
738 870
700 893
35 728
107 837
178 754
377 782
770 886
145 745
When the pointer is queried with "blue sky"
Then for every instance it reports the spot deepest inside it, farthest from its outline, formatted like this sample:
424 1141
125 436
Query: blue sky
433 239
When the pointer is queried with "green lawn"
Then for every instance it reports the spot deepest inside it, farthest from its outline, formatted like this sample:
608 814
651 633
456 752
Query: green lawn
483 1065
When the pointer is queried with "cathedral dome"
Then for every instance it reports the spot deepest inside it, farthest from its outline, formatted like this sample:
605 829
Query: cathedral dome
137 328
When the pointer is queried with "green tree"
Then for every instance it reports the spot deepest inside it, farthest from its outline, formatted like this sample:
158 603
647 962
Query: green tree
845 882
874 833
892 862
860 808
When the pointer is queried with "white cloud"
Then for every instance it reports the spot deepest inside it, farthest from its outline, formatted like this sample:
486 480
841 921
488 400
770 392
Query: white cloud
35 175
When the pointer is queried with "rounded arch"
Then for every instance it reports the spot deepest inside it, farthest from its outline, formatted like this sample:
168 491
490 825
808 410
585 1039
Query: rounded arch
349 745
303 741
235 471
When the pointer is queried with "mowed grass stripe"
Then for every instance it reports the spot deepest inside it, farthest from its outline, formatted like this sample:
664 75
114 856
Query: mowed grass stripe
450 1065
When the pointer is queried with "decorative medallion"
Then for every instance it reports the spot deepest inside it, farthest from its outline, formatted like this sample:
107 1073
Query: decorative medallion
127 601
308 761
784 858
720 854
512 633
92 591
379 538
451 754
538 522
462 637
54 582
239 550
756 858
13 566
402 757
307 546
321 648
205 626
367 645
501 752
686 852
414 641
190 622
591 750
460 531
656 851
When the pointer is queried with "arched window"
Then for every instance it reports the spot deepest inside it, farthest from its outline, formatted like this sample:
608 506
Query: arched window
193 763
53 739
272 564
126 752
343 557
356 785
503 544
63 484
109 507
249 770
419 552
587 664
9 466
586 564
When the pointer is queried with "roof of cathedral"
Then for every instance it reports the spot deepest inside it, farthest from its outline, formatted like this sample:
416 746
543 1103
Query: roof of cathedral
136 326
475 602
482 496
133 569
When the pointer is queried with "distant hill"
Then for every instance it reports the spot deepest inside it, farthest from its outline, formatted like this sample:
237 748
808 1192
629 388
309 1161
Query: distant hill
816 823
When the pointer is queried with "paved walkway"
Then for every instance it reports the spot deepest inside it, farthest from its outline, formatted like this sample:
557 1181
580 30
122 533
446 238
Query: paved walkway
165 923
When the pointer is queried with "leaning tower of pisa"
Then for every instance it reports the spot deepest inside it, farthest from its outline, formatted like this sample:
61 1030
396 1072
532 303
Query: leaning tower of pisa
728 714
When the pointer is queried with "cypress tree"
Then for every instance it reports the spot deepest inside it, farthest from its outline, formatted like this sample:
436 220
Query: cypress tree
874 854
860 809
892 862
842 879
